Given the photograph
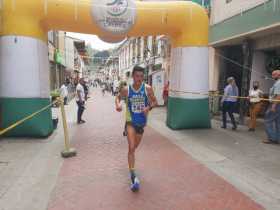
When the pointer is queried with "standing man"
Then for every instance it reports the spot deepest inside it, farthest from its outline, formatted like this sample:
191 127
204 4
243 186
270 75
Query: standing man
140 99
64 92
255 95
272 116
86 88
229 102
80 99
116 85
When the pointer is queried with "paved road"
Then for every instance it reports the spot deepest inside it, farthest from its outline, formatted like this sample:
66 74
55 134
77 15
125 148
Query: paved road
97 179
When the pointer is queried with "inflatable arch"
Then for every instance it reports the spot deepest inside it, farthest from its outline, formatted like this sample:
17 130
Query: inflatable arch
24 68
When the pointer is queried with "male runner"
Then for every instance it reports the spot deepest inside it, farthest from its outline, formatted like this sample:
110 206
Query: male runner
140 100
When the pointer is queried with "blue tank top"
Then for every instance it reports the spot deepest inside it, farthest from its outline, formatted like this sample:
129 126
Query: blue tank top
137 100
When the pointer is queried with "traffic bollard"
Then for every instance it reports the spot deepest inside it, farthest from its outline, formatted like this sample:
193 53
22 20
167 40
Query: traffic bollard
68 151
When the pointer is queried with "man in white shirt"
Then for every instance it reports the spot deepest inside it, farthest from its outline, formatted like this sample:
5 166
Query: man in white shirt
116 87
64 93
255 95
80 99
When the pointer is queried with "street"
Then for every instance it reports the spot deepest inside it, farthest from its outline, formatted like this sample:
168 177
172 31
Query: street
200 78
179 170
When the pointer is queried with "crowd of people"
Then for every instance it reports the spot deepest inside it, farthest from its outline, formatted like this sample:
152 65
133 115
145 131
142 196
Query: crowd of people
272 114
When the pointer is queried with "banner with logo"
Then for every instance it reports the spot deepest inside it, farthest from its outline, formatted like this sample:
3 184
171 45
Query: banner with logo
114 16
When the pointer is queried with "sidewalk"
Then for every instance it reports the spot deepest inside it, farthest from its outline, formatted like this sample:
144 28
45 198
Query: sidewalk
179 170
239 157
29 168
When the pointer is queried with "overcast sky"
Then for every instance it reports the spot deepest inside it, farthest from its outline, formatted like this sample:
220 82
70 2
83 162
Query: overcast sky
95 42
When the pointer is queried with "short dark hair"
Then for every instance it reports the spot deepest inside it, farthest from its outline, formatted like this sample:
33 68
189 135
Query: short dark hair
138 69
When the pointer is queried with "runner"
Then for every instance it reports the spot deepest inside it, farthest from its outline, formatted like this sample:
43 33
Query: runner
140 100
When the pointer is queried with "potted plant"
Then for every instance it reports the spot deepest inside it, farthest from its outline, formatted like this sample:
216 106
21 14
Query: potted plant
54 96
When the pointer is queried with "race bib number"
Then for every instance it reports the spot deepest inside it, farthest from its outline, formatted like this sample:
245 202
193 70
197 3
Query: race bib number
138 107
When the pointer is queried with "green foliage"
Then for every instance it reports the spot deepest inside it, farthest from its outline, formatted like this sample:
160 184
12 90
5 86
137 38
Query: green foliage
55 93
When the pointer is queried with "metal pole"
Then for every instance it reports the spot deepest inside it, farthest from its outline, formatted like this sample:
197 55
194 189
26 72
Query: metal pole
68 152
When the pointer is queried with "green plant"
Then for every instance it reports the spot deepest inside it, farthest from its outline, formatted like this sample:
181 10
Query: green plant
55 93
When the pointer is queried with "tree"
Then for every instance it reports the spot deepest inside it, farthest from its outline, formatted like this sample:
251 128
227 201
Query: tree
96 58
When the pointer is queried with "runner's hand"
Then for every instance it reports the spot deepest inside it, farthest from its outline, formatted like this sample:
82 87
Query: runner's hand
146 110
119 108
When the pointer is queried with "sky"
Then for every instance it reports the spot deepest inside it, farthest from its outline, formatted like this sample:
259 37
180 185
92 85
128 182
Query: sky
95 42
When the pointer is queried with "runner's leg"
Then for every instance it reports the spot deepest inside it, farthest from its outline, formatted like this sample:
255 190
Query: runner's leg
131 137
138 140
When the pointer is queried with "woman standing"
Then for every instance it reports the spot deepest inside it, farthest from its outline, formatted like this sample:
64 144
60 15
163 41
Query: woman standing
255 95
229 101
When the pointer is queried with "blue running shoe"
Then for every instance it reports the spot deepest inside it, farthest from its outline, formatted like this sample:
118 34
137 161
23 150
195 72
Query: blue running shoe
135 186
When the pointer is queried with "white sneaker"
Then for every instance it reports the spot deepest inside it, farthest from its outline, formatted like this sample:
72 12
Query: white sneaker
136 185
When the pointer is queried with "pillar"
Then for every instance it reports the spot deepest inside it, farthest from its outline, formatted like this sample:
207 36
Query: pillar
189 73
24 85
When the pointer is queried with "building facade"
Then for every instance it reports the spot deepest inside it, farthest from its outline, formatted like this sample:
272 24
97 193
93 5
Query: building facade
245 43
151 53
67 58
76 58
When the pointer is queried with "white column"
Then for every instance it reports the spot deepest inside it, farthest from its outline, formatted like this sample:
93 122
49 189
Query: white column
24 68
24 85
188 106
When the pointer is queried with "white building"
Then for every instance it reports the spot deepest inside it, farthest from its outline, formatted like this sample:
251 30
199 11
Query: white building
73 60
151 53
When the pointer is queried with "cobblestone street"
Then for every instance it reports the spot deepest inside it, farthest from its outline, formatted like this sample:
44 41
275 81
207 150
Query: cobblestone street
170 179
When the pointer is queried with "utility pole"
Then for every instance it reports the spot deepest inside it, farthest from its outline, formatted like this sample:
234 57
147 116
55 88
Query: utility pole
246 78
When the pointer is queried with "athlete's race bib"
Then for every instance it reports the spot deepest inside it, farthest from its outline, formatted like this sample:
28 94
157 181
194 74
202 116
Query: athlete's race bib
137 104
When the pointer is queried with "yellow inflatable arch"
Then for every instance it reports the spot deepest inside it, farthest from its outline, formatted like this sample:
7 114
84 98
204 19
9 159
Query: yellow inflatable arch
24 70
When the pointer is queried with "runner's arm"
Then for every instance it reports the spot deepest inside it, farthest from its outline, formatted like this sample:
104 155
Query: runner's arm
151 96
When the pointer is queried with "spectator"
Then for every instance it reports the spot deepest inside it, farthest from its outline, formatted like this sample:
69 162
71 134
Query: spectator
272 116
86 91
116 85
80 99
112 88
229 102
255 95
64 92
